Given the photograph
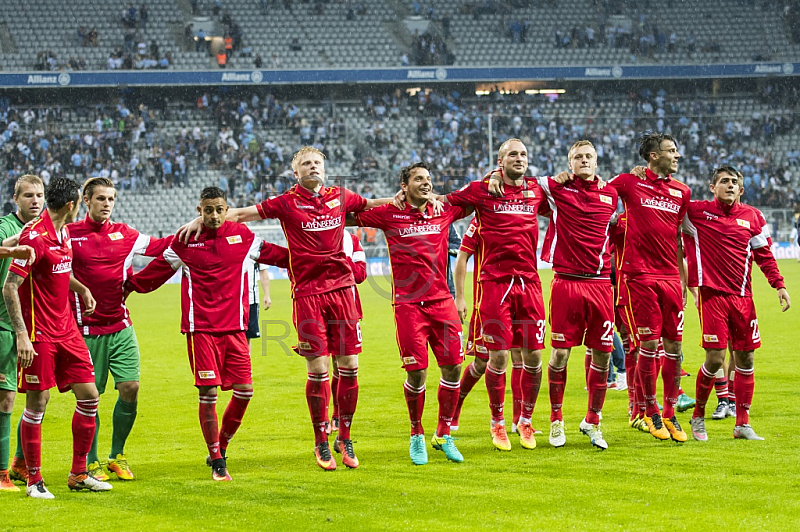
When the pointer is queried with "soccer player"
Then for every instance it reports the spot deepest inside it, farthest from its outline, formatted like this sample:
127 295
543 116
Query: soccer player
424 311
323 290
721 238
477 368
50 349
510 307
649 262
29 198
215 310
577 244
103 251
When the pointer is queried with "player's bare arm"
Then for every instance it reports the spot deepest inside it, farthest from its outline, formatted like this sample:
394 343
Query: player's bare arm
18 252
192 229
11 241
496 181
25 352
784 299
459 276
263 276
80 289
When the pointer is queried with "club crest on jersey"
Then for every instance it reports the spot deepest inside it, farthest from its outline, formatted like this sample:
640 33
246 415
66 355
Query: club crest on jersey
20 262
481 349
32 379
558 337
205 375
605 199
115 236
305 346
676 193
333 203
528 194
487 337
408 361
710 338
644 330
743 223
471 230
235 239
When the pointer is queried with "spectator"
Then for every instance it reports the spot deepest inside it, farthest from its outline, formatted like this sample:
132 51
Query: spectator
257 62
295 45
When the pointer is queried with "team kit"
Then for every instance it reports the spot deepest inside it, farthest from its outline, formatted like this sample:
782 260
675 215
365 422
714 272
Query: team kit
625 252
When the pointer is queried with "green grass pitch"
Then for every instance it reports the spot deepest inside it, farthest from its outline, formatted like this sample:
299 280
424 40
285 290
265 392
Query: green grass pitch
637 484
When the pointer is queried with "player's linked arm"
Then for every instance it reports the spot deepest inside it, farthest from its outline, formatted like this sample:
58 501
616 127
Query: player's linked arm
459 277
769 267
192 229
25 352
80 289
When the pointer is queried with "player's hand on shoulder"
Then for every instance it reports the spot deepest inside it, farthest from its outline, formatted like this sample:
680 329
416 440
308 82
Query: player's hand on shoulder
400 200
437 205
496 182
640 172
784 299
562 177
187 230
601 184
24 252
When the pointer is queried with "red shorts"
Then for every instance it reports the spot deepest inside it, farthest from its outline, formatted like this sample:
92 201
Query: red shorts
478 351
510 314
654 309
435 323
728 317
327 324
219 359
620 313
61 364
583 307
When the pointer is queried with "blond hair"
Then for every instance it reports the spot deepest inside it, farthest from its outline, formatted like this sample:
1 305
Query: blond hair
92 182
504 147
30 180
577 145
303 151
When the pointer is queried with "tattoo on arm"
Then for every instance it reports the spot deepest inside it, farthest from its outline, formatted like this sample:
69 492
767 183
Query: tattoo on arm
11 296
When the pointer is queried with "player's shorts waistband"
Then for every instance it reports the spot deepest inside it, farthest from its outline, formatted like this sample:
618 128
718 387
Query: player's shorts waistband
582 277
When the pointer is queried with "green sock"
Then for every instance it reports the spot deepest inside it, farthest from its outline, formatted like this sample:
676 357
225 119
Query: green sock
92 456
5 438
18 454
124 416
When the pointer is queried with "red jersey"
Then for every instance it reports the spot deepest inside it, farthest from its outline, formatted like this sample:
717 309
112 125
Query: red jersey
417 244
577 240
102 257
215 269
313 224
357 260
720 243
44 295
654 208
469 242
507 227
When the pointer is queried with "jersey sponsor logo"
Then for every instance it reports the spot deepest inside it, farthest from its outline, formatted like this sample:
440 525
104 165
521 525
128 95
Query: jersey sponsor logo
660 205
32 379
514 208
332 204
471 230
205 375
644 330
197 245
235 239
408 361
325 223
710 338
710 216
417 230
743 223
20 262
65 266
305 346
606 199
676 193
558 337
115 236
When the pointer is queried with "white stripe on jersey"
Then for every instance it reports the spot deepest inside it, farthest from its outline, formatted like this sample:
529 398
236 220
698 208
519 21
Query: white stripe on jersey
689 229
544 182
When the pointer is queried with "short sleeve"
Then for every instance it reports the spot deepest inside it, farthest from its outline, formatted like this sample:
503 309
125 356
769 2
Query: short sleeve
271 208
373 217
466 196
22 267
353 202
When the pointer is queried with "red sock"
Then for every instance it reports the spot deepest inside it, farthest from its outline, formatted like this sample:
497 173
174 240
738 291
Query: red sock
641 404
597 392
496 386
318 398
468 381
671 377
557 379
721 388
232 418
630 377
647 368
745 383
83 427
347 393
702 389
732 389
531 382
209 425
587 362
415 401
334 389
516 389
31 435
448 398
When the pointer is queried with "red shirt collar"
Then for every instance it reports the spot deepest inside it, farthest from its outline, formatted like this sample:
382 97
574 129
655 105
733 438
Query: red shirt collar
95 226
652 176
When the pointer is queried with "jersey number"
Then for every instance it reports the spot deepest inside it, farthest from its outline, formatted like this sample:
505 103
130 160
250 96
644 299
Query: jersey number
756 334
540 324
680 321
608 335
